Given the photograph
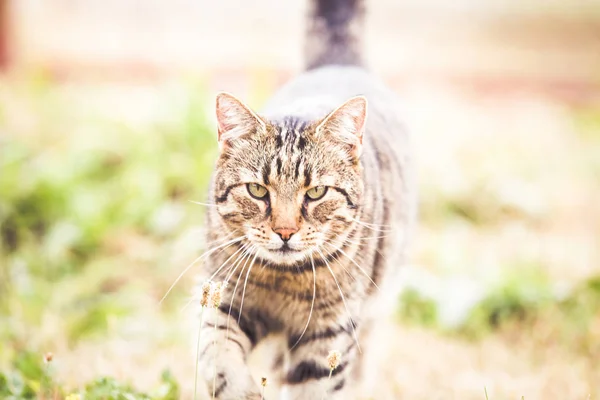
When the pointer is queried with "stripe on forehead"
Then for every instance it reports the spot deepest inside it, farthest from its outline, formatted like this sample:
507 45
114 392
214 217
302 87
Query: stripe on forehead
285 163
290 134
289 160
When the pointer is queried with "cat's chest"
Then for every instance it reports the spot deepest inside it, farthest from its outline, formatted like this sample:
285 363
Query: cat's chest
292 298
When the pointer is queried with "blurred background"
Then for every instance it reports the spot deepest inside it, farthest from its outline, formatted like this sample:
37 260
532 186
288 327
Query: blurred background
107 135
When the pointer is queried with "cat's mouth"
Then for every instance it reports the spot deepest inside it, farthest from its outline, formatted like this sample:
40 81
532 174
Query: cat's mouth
284 254
285 248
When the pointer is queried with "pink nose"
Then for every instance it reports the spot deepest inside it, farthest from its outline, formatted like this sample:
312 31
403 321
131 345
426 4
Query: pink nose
285 233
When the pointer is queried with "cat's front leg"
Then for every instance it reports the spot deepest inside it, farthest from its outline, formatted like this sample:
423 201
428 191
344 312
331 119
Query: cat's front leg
309 373
222 357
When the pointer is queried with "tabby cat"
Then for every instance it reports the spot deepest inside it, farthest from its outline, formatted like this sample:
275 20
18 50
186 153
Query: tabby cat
313 201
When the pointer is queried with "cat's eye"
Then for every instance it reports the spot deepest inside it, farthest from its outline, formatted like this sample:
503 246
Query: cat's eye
316 193
257 191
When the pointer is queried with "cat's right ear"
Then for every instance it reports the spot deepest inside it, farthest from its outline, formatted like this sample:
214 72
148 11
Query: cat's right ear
235 119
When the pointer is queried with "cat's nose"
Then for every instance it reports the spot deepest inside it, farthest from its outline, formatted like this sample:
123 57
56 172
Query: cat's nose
285 233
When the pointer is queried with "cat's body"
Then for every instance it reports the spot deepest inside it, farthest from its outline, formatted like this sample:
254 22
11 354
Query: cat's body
313 210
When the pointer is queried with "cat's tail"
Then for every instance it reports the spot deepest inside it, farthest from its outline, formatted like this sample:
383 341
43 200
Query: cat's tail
334 33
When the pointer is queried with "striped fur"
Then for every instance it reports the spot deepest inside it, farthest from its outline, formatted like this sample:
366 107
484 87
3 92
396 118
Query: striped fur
319 289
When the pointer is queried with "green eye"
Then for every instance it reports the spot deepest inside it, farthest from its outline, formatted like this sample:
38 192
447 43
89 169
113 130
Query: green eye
257 191
317 192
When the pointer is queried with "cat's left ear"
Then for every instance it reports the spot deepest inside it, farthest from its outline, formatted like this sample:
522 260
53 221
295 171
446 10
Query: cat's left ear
347 123
235 119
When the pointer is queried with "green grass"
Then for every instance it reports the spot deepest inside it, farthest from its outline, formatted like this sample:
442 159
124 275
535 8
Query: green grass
417 309
65 202
31 378
521 302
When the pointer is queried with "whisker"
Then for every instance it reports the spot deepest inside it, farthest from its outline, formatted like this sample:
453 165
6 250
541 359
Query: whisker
203 204
354 262
245 283
370 224
225 263
221 239
352 323
236 264
204 255
192 298
233 265
357 240
338 259
249 254
347 240
312 304
332 254
373 227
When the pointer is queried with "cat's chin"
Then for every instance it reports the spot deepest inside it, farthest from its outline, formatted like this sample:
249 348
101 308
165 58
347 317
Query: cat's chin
284 256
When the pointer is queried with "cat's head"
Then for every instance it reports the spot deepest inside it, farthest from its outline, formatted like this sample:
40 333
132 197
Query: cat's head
293 188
